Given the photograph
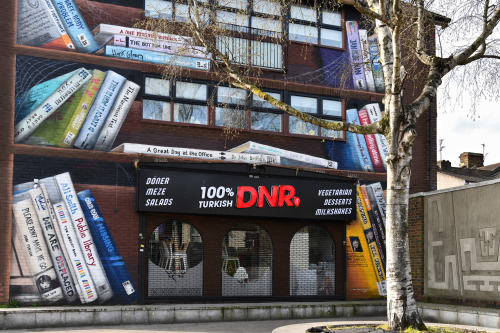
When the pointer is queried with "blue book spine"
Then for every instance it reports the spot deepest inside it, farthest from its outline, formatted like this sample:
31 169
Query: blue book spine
156 57
99 111
76 26
33 97
112 261
358 143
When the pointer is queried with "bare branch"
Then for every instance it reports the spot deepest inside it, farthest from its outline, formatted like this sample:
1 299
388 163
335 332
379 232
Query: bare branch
363 7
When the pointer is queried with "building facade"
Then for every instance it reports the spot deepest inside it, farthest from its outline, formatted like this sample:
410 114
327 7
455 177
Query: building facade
178 131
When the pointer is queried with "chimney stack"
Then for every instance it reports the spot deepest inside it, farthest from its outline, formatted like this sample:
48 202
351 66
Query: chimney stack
471 160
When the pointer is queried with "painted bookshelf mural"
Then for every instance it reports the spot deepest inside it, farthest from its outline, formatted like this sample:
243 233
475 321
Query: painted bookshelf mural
63 251
365 244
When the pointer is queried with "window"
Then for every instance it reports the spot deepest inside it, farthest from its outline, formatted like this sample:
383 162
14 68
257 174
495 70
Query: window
247 261
321 107
243 51
312 263
308 26
158 9
175 260
186 102
187 105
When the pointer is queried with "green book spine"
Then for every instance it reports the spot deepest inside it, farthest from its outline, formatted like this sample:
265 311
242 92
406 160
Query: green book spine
75 124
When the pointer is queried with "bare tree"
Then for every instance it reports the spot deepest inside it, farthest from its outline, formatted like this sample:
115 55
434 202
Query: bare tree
401 26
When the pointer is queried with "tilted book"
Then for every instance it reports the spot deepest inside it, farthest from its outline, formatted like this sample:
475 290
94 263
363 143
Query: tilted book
363 218
379 196
378 219
32 98
136 148
35 248
62 93
156 57
76 26
376 231
83 108
112 261
371 143
357 143
47 221
367 66
117 116
160 46
375 115
38 24
103 33
85 239
99 111
287 157
51 131
378 73
353 44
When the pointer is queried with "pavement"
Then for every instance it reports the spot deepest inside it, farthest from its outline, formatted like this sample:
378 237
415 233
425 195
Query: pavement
267 326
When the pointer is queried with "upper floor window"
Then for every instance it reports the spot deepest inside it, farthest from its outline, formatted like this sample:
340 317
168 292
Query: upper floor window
316 27
188 103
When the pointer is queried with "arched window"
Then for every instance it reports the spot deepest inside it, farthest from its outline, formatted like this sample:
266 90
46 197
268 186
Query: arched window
175 265
247 261
312 262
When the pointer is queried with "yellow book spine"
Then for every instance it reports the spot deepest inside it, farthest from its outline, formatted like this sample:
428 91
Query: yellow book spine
362 215
79 116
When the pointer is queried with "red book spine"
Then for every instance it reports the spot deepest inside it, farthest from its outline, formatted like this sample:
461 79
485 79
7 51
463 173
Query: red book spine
378 166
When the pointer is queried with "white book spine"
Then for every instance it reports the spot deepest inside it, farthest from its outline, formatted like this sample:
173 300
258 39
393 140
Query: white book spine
117 116
370 81
61 266
105 32
38 255
378 192
86 284
375 115
136 148
28 125
85 240
99 111
161 46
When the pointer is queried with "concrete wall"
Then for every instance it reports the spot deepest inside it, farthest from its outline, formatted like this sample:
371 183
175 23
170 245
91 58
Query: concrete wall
461 244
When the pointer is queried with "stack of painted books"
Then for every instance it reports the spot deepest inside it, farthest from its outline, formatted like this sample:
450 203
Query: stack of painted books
367 71
64 247
83 109
153 47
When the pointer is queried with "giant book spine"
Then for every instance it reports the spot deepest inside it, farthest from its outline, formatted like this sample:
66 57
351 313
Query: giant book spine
38 24
378 220
372 245
112 261
371 143
378 194
83 107
355 53
103 33
27 126
367 66
375 115
357 143
103 102
378 73
85 240
76 26
161 46
36 249
378 234
117 116
156 57
42 207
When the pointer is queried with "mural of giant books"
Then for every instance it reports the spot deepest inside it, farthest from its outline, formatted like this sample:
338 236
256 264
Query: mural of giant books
365 244
83 109
62 249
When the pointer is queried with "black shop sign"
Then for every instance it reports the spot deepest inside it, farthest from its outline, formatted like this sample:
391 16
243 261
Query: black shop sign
209 192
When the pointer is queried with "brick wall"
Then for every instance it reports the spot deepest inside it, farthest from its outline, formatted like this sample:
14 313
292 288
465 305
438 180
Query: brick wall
416 235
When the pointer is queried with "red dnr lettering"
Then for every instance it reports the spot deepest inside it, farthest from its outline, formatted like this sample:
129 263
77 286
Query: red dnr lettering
279 196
